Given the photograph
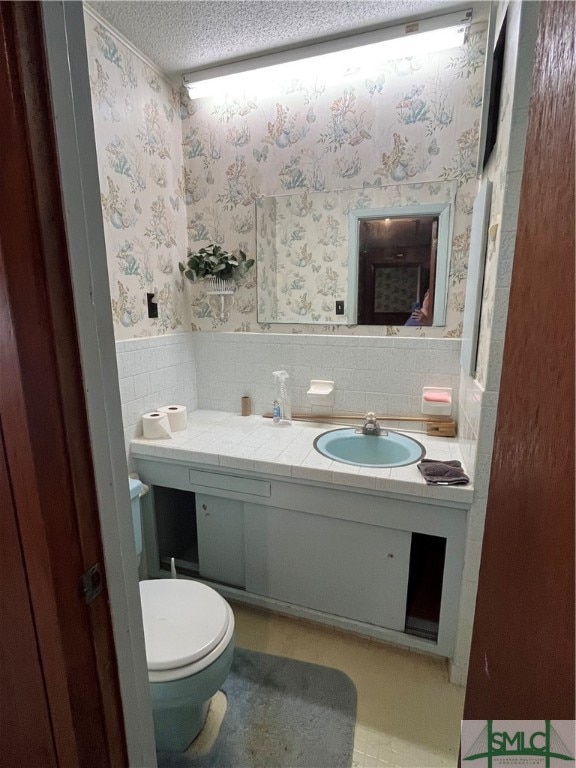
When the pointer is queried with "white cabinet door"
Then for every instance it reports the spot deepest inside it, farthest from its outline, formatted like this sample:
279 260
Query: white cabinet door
220 539
336 566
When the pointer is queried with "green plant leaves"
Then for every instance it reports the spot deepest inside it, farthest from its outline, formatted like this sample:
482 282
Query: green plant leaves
214 260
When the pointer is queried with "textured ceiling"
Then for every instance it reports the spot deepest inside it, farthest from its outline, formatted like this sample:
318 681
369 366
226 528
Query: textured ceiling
181 36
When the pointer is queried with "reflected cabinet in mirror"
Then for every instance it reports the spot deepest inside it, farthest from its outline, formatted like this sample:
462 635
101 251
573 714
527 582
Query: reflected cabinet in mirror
372 256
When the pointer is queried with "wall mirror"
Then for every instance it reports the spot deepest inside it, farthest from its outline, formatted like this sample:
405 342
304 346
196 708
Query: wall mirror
371 256
396 258
401 256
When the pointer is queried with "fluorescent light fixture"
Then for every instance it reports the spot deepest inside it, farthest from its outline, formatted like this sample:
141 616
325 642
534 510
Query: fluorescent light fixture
360 52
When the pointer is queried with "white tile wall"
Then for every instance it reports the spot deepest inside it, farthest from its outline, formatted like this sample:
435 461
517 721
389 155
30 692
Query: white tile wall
470 400
478 406
370 373
214 370
153 372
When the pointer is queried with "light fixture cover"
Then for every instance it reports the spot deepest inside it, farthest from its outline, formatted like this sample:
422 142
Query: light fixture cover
424 36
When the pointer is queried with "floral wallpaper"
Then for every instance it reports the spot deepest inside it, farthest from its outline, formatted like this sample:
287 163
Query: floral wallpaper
414 120
176 173
139 146
302 246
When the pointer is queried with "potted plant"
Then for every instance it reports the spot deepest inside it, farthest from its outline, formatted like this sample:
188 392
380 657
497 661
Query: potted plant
217 266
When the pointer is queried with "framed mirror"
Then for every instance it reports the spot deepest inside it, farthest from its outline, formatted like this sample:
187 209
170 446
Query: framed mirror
399 263
371 256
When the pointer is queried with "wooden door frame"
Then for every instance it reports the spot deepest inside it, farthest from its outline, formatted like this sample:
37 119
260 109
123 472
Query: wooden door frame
71 101
522 657
51 257
43 416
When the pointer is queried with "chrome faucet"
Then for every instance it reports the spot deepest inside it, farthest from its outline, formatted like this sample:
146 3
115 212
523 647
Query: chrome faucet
371 426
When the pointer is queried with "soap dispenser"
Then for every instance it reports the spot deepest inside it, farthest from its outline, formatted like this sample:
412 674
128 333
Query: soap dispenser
281 412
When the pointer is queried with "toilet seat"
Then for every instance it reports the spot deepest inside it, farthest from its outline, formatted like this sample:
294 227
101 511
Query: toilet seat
187 625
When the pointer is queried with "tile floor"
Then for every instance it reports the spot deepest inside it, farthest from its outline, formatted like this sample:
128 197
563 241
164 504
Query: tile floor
408 713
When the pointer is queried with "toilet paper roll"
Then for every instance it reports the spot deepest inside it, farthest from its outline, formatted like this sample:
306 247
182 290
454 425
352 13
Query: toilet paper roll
155 425
177 416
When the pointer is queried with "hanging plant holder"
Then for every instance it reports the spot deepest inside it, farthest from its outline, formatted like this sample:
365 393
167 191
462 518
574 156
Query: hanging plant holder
215 286
218 270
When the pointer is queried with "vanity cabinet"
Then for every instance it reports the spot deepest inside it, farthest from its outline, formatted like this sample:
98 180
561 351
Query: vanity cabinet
344 568
382 564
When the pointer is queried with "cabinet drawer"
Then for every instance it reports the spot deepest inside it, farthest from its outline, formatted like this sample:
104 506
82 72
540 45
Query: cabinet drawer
229 483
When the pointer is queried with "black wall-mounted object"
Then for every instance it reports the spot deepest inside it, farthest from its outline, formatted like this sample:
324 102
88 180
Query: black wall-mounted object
495 93
339 307
152 305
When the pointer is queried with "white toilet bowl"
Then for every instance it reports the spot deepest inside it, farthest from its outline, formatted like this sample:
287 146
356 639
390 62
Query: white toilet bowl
189 634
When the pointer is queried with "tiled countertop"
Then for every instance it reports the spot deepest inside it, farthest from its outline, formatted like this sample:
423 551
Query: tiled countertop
255 444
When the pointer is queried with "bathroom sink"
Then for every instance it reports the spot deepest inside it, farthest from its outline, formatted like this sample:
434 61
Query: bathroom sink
390 449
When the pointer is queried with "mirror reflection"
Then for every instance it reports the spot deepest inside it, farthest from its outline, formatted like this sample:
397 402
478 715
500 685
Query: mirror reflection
371 256
397 266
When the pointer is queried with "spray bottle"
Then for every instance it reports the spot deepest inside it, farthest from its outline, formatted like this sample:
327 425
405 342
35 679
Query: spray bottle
281 412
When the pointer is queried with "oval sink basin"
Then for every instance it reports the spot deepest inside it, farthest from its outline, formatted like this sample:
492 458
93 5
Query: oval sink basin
386 450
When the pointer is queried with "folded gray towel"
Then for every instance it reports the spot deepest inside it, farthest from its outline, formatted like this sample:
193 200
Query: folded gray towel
443 472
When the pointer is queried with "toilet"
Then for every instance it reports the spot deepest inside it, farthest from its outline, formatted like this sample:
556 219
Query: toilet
189 635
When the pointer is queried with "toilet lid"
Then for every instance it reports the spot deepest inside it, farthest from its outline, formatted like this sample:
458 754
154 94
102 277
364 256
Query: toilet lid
183 621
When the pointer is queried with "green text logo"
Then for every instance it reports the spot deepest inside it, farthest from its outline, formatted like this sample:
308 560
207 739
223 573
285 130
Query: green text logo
544 744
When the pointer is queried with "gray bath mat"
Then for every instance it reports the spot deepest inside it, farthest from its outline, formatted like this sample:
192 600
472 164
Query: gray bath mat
281 713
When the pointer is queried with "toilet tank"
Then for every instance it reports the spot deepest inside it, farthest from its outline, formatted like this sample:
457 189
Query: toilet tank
135 490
